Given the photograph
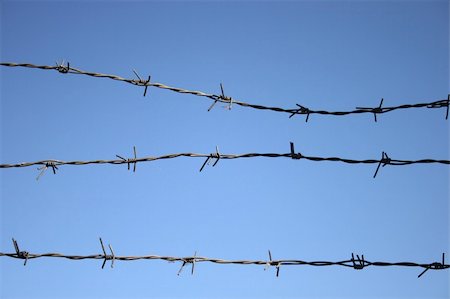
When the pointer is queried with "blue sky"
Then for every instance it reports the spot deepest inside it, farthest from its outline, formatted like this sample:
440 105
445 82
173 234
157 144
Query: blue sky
331 55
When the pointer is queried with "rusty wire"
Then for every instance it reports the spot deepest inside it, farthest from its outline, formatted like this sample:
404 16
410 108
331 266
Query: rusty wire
357 263
385 160
67 69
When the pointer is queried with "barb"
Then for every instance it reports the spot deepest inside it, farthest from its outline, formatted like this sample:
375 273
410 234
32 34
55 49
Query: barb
142 82
444 103
361 263
20 254
129 161
351 263
61 68
273 263
301 110
111 257
435 266
212 156
374 110
385 160
43 168
188 260
295 156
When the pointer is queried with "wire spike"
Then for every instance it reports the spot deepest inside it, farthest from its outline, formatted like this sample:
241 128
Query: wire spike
385 160
448 105
295 156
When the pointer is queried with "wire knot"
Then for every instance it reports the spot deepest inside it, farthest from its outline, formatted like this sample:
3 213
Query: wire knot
20 254
222 97
375 111
295 156
107 257
43 168
360 264
129 160
270 262
301 110
141 82
385 160
188 260
61 68
435 266
211 156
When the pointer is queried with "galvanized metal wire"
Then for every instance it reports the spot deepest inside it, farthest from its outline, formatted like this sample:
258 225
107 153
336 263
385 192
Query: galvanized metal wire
67 69
385 160
357 263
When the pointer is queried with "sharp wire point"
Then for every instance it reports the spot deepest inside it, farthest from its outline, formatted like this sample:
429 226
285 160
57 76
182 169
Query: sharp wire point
217 156
204 163
113 255
448 106
146 85
135 159
137 75
179 271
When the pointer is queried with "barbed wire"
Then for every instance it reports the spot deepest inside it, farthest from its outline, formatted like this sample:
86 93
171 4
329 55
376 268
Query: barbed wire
67 69
357 263
385 160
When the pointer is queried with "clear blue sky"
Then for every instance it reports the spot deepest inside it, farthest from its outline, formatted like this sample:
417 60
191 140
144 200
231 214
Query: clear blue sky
332 55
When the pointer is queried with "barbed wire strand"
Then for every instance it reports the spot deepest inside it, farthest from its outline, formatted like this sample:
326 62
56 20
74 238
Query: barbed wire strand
385 160
357 263
444 103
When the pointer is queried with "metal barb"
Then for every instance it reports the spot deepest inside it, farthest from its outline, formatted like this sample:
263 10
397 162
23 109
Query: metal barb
217 156
44 167
434 266
111 257
378 110
193 263
61 68
295 156
301 110
448 104
130 161
186 261
137 75
182 266
361 263
211 156
213 104
375 111
223 97
146 85
385 160
271 262
20 254
135 158
142 82
204 163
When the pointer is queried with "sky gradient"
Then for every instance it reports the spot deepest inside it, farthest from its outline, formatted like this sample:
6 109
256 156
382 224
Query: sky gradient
330 55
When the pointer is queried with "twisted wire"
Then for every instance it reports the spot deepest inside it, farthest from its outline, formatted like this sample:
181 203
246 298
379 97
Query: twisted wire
385 160
394 162
443 103
356 263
